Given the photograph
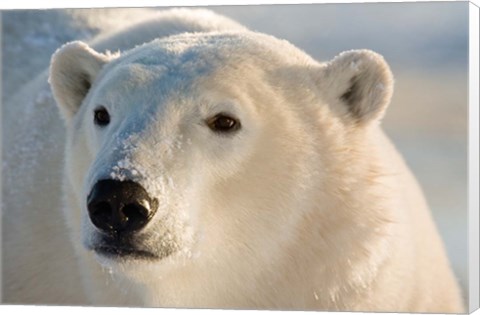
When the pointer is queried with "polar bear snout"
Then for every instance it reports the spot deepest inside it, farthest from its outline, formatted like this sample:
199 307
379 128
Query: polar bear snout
120 207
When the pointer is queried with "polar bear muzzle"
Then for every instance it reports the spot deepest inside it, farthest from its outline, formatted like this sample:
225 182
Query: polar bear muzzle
120 207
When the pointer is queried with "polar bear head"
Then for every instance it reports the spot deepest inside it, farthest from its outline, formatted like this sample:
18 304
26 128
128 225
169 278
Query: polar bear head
211 149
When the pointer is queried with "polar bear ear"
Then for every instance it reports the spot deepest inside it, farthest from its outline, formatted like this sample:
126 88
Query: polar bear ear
73 69
358 84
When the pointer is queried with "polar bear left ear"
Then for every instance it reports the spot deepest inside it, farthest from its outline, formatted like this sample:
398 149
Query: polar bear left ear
358 84
73 68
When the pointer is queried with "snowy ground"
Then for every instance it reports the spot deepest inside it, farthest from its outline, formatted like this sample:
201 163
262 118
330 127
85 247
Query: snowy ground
426 45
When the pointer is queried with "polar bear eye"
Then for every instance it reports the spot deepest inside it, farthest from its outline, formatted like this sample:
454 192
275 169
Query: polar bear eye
101 116
223 123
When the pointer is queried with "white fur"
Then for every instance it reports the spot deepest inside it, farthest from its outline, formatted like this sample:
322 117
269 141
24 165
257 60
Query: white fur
307 206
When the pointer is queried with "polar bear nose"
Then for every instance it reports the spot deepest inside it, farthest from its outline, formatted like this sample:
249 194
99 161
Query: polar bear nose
120 207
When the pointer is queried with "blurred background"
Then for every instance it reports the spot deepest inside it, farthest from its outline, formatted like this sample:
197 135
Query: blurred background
426 45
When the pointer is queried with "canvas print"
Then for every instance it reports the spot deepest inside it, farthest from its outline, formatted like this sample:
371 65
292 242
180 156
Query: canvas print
280 157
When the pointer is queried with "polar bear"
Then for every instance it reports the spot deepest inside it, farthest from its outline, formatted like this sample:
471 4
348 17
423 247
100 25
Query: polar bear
225 168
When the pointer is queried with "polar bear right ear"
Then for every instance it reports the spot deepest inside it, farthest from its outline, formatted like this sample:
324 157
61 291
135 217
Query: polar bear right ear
358 85
73 69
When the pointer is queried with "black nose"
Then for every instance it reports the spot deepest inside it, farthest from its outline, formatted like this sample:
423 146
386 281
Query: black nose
120 207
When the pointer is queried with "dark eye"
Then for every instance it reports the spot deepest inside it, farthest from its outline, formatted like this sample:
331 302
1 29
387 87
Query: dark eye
223 123
101 116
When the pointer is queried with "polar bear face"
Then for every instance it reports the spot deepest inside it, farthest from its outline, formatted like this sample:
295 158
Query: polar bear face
207 149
